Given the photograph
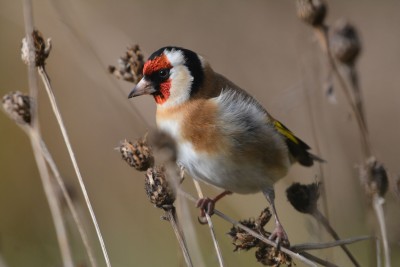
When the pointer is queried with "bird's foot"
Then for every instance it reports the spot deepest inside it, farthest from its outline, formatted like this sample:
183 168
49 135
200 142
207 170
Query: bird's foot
206 205
279 236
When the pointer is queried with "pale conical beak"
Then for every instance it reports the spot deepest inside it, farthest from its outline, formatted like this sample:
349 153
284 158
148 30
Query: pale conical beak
142 88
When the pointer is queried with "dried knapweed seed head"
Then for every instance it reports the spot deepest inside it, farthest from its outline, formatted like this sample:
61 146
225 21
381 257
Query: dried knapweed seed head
42 50
344 42
312 12
243 240
265 253
137 154
130 66
18 106
157 188
271 256
303 198
264 218
374 176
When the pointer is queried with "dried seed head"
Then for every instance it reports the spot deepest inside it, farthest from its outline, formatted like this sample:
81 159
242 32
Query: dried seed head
344 42
374 176
264 218
18 106
137 154
130 66
303 197
271 256
243 240
157 188
42 50
312 12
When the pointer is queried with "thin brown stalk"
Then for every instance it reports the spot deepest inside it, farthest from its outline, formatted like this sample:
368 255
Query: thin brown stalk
357 93
357 109
57 113
318 260
70 204
255 234
377 204
314 246
322 34
211 226
52 200
321 218
32 79
35 137
171 216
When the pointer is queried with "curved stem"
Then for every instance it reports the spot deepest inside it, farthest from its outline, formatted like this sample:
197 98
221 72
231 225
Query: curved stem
171 216
85 240
57 113
377 203
322 33
321 218
52 200
211 226
253 233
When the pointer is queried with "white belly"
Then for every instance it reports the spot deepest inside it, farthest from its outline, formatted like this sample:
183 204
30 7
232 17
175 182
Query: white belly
222 172
245 177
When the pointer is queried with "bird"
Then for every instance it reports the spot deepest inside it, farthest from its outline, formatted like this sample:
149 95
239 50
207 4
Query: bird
224 136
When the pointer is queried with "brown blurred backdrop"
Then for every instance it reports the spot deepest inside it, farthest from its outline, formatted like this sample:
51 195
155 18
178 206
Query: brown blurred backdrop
261 46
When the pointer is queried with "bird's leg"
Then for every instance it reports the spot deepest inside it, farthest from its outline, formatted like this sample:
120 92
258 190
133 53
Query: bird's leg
278 234
181 172
207 205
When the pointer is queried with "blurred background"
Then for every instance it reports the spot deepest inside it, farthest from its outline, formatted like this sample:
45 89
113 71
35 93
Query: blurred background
260 45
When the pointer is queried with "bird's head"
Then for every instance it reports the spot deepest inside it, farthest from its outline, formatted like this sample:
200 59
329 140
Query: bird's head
171 75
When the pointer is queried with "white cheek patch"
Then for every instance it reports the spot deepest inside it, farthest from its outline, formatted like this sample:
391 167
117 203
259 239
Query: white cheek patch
181 79
181 82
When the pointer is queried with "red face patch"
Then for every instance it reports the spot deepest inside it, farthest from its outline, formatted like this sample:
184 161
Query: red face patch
164 92
153 66
156 64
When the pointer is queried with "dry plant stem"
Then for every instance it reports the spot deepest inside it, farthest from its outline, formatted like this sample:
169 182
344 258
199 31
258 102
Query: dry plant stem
377 203
378 253
262 238
322 33
57 113
317 148
171 215
171 211
32 79
366 145
211 226
52 200
321 218
34 135
314 246
358 99
75 216
319 260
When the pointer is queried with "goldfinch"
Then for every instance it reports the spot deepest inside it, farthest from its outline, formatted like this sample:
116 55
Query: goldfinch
224 136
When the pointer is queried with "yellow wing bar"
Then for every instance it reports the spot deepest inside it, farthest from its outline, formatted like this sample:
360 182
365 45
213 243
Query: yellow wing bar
285 132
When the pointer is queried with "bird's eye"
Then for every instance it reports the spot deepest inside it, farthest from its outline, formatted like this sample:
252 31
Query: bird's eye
163 73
